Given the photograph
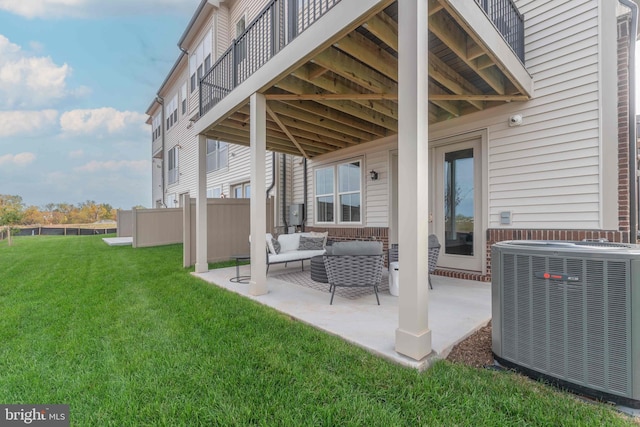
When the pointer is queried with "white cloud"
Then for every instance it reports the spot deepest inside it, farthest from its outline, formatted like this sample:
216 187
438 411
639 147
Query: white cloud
26 123
87 8
135 166
29 81
20 159
76 154
102 120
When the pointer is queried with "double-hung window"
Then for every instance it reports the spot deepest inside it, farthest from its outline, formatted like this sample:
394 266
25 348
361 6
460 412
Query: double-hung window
171 111
338 195
183 98
200 60
217 155
173 165
156 127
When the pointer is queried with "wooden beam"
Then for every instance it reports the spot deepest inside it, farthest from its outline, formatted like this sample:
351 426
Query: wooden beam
310 115
445 105
449 78
330 96
367 52
468 97
434 7
274 116
336 139
319 71
449 32
347 67
337 84
297 87
274 137
385 28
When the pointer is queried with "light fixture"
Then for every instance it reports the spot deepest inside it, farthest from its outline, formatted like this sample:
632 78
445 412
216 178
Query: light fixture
374 175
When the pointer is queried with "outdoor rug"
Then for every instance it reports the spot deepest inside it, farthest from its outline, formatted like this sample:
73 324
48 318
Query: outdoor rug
303 278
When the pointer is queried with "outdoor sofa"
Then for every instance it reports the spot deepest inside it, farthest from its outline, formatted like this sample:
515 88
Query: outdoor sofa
294 247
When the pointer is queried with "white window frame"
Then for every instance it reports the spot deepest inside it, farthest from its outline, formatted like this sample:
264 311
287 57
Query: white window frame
183 98
200 60
336 193
244 187
171 112
214 192
173 158
217 155
156 127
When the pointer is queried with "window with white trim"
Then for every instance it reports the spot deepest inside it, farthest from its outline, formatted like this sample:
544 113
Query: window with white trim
338 194
171 112
217 155
241 191
200 60
183 98
156 127
172 170
214 193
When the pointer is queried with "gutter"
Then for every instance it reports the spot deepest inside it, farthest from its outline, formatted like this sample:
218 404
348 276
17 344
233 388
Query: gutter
304 210
284 194
633 141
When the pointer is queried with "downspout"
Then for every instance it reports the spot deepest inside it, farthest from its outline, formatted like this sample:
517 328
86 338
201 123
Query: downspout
284 194
273 173
633 151
304 210
160 101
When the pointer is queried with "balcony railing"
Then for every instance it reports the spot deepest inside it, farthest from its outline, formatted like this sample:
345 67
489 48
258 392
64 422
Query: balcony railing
277 25
510 23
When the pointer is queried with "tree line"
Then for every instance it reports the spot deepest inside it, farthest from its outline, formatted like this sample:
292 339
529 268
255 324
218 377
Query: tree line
13 211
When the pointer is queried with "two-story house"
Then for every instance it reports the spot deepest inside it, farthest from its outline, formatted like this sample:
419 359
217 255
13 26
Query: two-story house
478 121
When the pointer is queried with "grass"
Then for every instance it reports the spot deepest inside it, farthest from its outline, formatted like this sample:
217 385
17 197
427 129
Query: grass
127 337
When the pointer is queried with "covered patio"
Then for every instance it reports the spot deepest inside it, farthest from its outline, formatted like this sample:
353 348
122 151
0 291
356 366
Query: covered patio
457 308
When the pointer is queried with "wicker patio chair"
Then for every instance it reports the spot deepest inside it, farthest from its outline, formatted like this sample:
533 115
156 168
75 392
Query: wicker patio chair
434 253
354 271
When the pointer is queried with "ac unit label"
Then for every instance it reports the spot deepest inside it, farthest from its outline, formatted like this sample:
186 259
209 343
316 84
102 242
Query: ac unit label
557 276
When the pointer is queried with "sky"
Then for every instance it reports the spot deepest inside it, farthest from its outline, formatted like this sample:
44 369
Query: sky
76 77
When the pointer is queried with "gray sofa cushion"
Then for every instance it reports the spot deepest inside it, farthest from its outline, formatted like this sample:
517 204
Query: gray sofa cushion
311 243
357 248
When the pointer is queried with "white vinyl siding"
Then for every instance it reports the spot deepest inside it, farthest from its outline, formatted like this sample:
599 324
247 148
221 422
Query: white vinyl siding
156 127
217 155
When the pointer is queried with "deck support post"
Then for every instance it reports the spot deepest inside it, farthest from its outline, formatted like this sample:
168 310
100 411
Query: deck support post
258 144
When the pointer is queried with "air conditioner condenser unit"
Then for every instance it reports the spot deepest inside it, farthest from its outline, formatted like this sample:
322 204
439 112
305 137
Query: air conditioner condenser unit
569 312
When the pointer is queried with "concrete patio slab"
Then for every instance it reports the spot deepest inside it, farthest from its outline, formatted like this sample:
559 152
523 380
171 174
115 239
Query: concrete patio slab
118 241
457 309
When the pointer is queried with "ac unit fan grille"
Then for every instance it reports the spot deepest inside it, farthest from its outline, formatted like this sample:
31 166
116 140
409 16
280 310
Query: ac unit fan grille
575 331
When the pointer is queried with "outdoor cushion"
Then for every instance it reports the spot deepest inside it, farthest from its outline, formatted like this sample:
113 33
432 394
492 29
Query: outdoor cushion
357 248
293 256
276 245
324 236
310 243
289 242
270 243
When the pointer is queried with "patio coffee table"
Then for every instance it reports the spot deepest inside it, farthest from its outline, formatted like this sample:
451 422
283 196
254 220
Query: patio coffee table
318 272
239 278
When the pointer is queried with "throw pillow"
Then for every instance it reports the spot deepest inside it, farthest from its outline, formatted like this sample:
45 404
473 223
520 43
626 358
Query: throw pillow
323 234
276 245
310 243
269 243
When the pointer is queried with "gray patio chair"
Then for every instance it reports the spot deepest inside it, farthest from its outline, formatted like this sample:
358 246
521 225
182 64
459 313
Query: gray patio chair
354 264
434 253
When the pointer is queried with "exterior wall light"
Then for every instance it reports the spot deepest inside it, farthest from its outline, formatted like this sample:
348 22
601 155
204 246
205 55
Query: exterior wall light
374 175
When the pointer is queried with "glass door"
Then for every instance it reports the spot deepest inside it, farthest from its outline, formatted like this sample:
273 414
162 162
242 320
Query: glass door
458 188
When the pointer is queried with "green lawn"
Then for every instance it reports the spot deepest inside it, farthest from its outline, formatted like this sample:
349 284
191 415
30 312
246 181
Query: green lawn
127 337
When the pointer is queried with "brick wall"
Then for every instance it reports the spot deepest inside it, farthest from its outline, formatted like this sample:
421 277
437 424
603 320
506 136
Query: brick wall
623 123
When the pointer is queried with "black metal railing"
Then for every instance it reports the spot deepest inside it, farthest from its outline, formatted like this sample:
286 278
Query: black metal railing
277 25
510 23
